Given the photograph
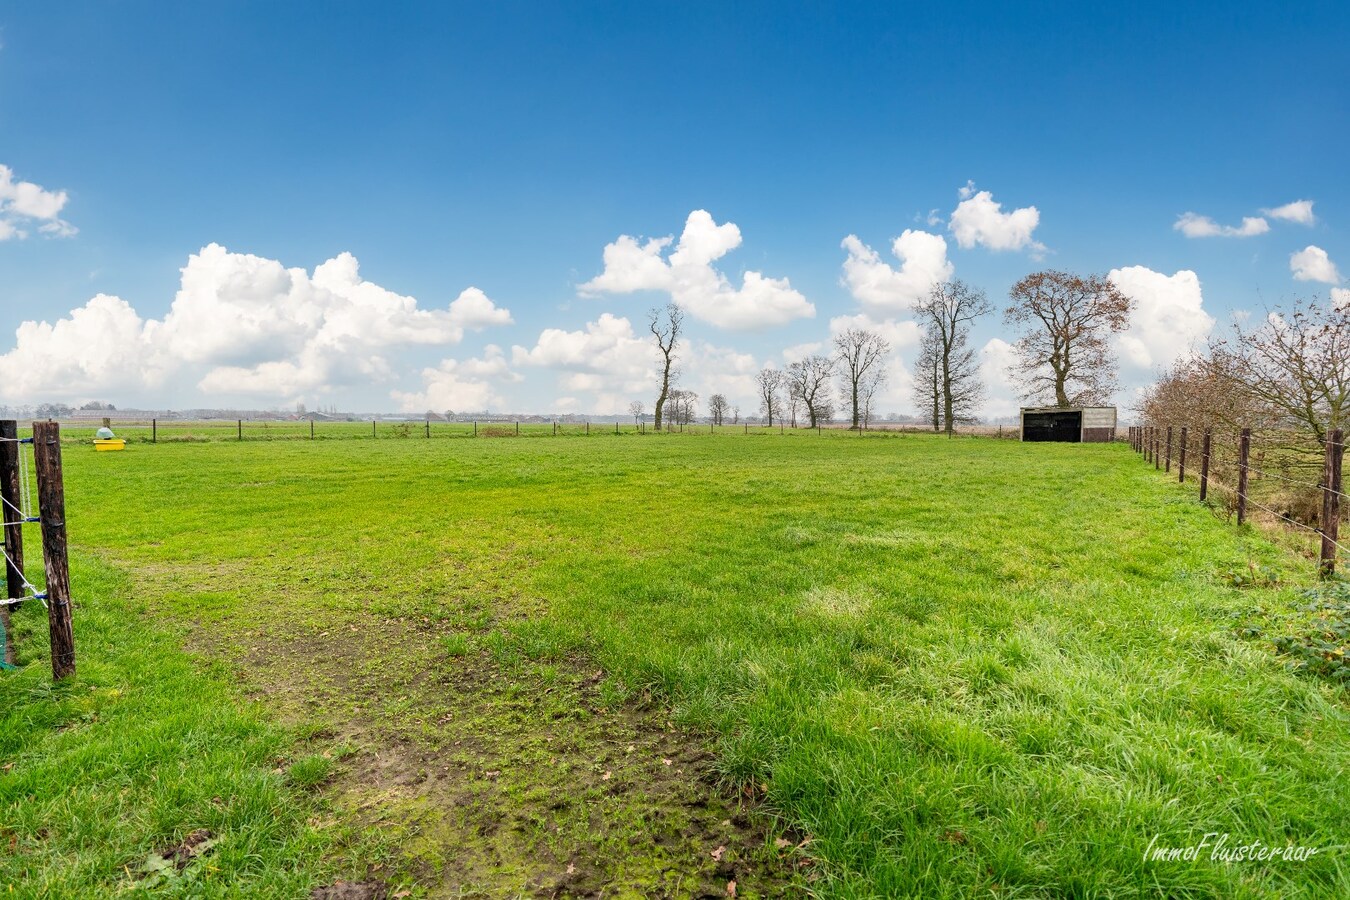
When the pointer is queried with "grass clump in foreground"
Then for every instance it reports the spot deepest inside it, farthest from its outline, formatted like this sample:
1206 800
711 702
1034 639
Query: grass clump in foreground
947 667
146 773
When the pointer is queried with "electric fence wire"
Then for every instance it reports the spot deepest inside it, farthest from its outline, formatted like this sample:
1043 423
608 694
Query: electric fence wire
33 592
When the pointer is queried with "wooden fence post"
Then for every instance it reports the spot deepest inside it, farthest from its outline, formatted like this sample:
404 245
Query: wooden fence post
1331 501
1157 448
52 512
372 428
1168 467
1244 452
588 426
475 428
1181 463
9 489
239 424
311 429
154 431
428 428
1204 466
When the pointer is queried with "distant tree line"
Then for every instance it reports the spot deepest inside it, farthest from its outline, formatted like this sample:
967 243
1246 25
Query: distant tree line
1062 357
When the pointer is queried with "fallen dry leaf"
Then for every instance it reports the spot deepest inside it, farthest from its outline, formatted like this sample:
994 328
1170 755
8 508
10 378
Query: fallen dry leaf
718 853
731 888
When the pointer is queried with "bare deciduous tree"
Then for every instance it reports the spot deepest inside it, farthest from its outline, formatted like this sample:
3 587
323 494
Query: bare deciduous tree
1065 353
736 414
860 355
1197 391
928 380
717 407
769 381
1296 364
665 326
868 391
809 380
636 409
947 313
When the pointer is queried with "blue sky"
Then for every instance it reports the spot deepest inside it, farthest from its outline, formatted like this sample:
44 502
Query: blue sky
502 147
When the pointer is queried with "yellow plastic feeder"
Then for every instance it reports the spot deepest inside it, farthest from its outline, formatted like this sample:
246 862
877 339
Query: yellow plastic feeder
104 440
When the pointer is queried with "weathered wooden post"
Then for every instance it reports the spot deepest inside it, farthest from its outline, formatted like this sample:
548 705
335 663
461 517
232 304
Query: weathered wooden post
1204 466
311 429
13 519
1168 466
1331 500
475 428
428 429
154 431
1157 449
52 513
1244 452
517 427
239 425
588 426
372 428
1181 462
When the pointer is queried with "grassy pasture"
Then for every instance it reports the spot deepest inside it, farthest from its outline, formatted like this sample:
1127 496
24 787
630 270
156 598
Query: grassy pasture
930 667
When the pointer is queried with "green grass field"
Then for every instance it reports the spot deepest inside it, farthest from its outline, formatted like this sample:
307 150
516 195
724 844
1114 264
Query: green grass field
885 666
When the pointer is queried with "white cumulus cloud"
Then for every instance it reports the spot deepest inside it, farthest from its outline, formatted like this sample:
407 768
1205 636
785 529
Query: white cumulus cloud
24 205
1194 225
103 346
607 348
461 385
1169 316
1299 211
687 274
240 325
979 221
901 334
1001 393
1312 264
882 288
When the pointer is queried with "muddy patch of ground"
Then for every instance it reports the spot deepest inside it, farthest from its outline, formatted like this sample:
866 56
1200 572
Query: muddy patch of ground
509 777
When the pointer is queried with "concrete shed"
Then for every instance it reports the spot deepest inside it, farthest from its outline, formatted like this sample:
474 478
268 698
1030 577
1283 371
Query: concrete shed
1076 424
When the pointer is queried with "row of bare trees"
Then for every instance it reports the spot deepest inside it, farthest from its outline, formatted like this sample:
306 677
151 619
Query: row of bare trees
857 368
1062 356
1290 371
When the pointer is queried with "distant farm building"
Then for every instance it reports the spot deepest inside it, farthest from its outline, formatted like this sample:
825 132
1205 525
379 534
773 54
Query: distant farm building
1077 424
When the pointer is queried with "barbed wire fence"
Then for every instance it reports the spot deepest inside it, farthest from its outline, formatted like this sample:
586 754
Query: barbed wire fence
1287 475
